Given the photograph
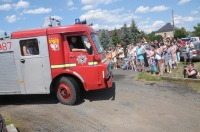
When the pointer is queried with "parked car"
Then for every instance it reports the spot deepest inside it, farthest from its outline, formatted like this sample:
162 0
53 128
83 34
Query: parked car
195 52
192 39
185 39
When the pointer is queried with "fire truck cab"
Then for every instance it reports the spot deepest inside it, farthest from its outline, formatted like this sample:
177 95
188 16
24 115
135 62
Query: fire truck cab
44 60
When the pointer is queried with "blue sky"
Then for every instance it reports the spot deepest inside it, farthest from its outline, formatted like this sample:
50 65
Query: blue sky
149 15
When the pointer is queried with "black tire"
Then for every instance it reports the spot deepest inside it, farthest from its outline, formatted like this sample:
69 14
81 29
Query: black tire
67 90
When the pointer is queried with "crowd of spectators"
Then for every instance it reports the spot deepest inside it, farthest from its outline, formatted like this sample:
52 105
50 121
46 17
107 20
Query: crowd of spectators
155 57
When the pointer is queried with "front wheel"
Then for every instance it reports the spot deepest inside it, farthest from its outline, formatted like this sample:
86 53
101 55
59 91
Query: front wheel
67 90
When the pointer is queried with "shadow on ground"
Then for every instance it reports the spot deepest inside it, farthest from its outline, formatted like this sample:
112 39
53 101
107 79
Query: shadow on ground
97 95
118 77
27 99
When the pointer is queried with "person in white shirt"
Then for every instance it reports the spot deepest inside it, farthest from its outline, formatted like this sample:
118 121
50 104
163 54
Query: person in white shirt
121 55
188 55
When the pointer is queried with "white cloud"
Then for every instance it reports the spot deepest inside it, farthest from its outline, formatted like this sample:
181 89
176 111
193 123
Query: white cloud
143 9
6 0
97 2
108 16
21 4
91 4
11 19
108 19
88 7
1 31
159 8
182 2
194 12
158 23
181 19
148 27
97 27
38 11
70 5
5 7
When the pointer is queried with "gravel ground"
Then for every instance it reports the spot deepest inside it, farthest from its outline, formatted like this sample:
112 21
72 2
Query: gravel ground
131 105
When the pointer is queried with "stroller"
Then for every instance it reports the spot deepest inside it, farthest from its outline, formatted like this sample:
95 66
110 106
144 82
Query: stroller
126 64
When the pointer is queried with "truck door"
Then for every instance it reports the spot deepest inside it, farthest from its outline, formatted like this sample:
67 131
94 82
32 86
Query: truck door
81 54
33 66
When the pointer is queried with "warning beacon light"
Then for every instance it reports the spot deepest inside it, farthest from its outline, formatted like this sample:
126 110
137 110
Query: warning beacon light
77 21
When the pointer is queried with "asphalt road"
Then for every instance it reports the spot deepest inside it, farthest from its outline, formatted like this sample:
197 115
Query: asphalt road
130 106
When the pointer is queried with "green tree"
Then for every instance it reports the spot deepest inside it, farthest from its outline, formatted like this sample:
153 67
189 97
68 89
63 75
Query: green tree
197 30
115 37
181 33
158 38
105 39
126 36
152 37
135 34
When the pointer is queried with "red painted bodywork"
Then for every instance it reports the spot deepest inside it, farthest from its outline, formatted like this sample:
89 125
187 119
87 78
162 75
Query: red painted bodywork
91 76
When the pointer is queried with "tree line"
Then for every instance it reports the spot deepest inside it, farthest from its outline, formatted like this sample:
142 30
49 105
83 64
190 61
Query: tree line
132 35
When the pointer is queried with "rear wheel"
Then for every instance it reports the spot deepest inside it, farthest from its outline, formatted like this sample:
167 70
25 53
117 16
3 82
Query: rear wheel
67 90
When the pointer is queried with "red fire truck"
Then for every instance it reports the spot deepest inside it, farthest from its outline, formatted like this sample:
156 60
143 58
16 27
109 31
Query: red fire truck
40 61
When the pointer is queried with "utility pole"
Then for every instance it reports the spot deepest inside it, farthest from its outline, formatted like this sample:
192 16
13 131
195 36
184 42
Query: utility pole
173 20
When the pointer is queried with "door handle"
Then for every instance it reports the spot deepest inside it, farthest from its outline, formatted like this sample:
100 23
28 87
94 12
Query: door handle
71 56
22 61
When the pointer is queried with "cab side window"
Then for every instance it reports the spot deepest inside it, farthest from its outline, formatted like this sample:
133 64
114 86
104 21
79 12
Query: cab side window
87 45
29 47
79 44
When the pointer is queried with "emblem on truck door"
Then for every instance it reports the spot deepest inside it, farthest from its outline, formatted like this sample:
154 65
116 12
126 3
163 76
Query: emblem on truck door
54 44
81 59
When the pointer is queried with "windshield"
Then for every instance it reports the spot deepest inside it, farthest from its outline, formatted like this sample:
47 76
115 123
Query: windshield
97 43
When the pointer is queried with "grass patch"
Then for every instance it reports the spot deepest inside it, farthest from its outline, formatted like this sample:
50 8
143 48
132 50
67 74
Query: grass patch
194 86
7 118
148 77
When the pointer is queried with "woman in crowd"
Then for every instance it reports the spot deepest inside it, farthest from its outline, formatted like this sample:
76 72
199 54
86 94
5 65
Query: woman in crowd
114 58
174 57
133 58
158 54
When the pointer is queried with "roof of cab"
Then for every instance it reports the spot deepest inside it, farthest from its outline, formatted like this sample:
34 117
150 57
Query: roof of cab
51 30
